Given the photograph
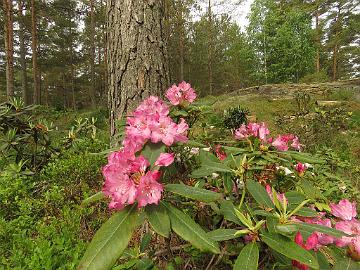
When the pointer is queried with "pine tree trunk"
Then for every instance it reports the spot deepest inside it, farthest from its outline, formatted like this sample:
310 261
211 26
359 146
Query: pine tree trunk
210 49
318 43
334 64
23 75
36 94
137 58
181 41
92 54
9 47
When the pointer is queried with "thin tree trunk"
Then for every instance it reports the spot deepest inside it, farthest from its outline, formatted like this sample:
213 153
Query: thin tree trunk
210 49
92 54
46 91
334 64
318 44
36 94
24 89
137 57
9 47
181 41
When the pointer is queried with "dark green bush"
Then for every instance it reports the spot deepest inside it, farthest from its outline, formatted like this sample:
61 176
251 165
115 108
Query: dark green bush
234 117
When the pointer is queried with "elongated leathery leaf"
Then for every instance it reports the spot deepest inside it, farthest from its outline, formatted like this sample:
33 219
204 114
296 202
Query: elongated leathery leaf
319 228
259 194
189 230
248 258
290 249
110 241
222 234
194 193
158 218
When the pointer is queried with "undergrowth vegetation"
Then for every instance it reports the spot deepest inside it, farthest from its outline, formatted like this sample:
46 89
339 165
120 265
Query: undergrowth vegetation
218 186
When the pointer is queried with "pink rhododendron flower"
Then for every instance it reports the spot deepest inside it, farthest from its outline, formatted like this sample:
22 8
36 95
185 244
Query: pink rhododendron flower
300 168
344 209
221 155
241 133
351 227
280 143
296 144
354 249
149 190
181 93
165 159
263 132
168 131
126 180
252 129
150 121
311 244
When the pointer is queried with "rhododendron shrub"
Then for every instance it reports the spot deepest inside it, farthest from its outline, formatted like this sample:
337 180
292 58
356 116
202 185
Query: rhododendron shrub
257 195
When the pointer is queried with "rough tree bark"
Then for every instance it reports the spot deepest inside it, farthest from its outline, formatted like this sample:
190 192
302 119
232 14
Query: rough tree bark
210 49
9 47
23 75
137 58
36 95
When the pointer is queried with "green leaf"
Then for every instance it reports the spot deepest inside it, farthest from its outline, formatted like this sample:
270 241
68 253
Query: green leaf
248 258
286 229
158 218
228 210
222 234
145 264
294 197
310 190
202 172
193 143
346 264
152 151
290 249
259 194
189 230
145 241
110 240
306 158
94 198
310 228
194 193
306 212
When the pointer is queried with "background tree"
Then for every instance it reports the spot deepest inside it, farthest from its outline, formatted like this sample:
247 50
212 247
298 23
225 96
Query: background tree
137 54
9 46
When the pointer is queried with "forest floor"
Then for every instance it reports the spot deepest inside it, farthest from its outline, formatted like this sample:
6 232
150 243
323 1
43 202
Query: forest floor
334 123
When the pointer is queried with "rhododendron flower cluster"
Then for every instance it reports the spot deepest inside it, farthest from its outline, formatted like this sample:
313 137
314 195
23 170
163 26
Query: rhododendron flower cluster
180 94
281 143
127 179
151 122
261 131
252 129
345 212
310 244
127 175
